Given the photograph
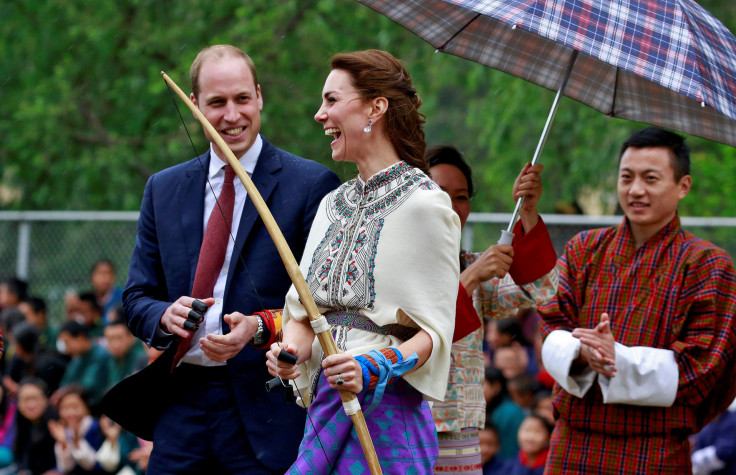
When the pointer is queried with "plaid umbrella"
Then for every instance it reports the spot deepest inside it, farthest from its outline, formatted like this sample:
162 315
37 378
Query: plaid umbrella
668 63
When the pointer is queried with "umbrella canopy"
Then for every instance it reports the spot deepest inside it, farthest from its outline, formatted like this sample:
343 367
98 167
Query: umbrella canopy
668 63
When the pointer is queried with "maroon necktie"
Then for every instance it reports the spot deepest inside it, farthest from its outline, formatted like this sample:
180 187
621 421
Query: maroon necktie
212 252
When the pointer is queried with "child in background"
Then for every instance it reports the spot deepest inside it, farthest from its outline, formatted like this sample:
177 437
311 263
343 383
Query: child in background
490 444
78 435
534 435
502 412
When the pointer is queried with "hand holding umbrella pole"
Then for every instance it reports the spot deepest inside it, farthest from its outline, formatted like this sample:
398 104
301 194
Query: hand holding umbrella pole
506 235
350 402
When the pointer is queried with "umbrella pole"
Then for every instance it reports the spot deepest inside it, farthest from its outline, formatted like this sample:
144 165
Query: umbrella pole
507 236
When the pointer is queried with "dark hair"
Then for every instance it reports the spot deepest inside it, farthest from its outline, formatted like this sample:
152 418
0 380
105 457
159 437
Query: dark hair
218 52
26 337
91 299
447 154
375 73
37 304
10 318
656 137
512 326
69 389
16 286
525 383
74 328
34 381
545 422
100 262
489 426
116 323
494 374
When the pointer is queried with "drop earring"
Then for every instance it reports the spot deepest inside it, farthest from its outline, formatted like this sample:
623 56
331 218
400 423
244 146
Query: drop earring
367 128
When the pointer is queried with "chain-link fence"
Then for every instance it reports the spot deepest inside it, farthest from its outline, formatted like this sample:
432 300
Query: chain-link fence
54 251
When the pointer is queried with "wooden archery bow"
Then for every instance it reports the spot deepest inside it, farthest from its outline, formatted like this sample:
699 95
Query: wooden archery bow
349 400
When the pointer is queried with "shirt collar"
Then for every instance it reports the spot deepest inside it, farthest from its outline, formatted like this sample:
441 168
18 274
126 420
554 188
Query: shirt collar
248 160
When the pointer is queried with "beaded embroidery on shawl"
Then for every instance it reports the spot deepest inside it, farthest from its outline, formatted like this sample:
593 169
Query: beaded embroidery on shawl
341 274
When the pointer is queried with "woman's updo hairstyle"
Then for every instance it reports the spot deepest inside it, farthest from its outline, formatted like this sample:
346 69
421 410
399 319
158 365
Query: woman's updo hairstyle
376 73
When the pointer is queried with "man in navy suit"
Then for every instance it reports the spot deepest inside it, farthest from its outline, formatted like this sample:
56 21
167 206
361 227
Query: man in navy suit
217 416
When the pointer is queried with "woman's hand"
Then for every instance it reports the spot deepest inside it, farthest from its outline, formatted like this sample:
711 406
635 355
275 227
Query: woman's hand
529 185
280 368
494 262
342 367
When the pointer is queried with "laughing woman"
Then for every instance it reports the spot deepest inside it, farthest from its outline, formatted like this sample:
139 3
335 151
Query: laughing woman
381 263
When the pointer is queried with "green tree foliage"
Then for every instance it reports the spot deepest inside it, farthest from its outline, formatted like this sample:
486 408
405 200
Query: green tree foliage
87 118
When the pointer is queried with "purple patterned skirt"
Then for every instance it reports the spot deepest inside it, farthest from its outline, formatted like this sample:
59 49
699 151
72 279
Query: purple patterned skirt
401 427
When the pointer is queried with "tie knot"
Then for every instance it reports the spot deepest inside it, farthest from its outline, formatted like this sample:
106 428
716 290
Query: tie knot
229 173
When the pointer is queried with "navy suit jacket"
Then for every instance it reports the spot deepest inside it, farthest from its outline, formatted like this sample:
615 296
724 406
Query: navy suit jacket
165 257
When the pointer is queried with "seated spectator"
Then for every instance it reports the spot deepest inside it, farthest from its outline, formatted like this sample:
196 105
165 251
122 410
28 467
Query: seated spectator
522 389
7 431
502 413
534 435
107 295
127 354
715 446
35 311
34 445
89 363
84 309
32 359
490 444
77 434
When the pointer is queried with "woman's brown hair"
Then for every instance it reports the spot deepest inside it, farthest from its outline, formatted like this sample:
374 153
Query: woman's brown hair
376 73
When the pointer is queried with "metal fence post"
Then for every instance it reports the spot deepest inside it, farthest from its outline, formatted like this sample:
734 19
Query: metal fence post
24 250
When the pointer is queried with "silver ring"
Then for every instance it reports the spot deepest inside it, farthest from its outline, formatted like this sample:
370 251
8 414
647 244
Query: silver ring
339 381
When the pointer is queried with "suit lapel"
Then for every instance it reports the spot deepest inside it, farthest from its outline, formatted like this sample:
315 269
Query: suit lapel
190 194
265 178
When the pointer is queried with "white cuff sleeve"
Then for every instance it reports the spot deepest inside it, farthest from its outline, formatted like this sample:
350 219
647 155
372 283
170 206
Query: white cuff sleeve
559 350
645 377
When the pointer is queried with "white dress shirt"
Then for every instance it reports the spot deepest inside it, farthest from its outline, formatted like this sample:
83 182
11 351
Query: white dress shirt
215 179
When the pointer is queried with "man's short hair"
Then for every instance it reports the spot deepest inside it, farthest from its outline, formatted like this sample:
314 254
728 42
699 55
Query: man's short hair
656 137
74 328
91 299
218 52
37 304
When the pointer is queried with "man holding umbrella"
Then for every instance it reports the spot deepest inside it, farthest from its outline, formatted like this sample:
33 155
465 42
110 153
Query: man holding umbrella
641 336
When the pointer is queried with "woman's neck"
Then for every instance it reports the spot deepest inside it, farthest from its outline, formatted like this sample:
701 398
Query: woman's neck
382 156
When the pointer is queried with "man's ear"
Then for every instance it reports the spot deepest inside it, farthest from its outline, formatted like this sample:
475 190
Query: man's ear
684 184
